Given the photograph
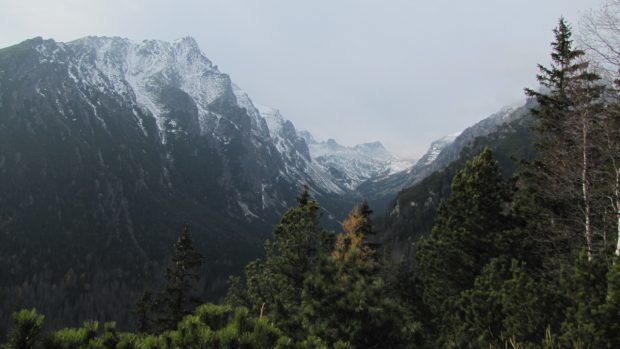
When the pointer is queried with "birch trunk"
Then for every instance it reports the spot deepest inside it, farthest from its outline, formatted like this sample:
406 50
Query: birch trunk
617 203
585 184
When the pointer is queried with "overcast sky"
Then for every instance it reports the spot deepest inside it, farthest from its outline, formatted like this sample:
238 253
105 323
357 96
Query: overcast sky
404 72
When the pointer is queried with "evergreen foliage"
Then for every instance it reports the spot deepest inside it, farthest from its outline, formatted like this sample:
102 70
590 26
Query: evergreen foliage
346 299
274 285
468 233
25 330
155 313
505 302
178 298
567 193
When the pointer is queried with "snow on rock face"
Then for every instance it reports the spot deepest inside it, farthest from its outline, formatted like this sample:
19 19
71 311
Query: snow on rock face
273 118
355 165
294 149
436 147
282 132
331 166
259 125
139 71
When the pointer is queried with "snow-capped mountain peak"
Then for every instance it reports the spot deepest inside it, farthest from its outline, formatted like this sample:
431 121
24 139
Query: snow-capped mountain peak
354 165
275 121
140 71
436 147
154 76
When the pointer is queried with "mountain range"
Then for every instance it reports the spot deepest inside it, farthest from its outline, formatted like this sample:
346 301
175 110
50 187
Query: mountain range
411 213
109 146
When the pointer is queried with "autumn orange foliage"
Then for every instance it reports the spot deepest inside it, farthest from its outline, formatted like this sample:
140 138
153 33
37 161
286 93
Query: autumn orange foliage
351 246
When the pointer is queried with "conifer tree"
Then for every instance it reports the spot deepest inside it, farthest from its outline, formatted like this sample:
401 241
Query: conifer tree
143 312
178 297
584 286
470 229
566 202
507 302
611 309
352 245
345 299
25 331
274 285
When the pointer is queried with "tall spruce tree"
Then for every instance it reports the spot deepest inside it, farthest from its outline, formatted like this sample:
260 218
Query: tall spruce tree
470 229
274 285
564 198
155 313
143 312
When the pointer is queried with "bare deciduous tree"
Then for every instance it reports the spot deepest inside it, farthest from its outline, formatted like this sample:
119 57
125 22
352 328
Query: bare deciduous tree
600 35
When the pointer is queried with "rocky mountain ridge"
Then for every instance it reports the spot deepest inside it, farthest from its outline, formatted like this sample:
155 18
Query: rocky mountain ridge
351 166
439 155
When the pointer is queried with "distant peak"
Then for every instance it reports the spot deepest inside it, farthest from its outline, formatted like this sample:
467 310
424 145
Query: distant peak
273 118
35 40
371 145
263 109
187 41
45 47
307 136
451 137
38 40
99 39
332 143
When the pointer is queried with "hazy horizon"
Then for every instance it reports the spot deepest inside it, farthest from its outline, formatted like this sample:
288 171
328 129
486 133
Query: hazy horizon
354 71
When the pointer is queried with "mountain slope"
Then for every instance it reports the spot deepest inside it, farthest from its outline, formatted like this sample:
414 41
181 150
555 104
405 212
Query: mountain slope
351 166
107 147
410 216
441 153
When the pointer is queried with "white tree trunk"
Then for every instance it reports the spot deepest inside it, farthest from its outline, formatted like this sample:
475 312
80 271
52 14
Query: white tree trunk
617 204
585 184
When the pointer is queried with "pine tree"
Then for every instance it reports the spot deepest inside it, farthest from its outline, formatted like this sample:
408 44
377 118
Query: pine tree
143 312
74 338
565 200
178 297
470 229
25 331
235 296
611 309
555 102
274 285
584 284
345 299
508 302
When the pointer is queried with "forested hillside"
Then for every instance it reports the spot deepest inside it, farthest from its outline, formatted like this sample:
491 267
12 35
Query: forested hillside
107 147
411 214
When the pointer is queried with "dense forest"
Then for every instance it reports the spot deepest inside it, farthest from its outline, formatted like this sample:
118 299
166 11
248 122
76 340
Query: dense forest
530 261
